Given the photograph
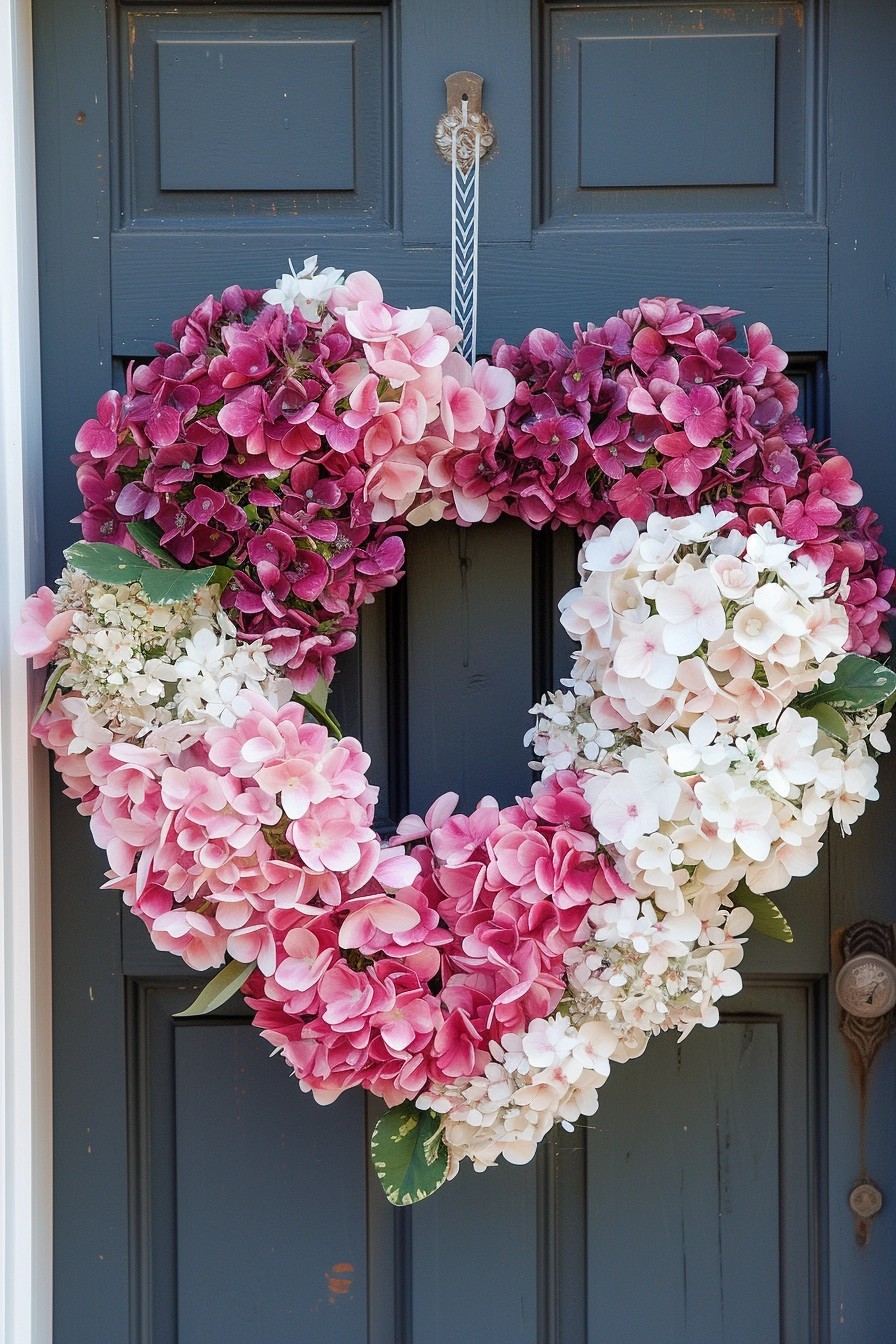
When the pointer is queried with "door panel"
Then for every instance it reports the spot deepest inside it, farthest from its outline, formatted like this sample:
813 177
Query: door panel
200 1194
737 1261
196 147
266 1202
719 101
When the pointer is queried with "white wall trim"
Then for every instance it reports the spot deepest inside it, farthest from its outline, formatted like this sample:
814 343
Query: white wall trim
25 1040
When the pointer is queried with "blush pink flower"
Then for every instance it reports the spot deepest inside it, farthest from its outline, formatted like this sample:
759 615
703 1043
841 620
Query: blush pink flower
462 408
298 783
193 937
621 811
330 835
456 839
254 942
42 628
375 915
456 1047
408 1024
376 322
351 996
692 610
641 654
306 959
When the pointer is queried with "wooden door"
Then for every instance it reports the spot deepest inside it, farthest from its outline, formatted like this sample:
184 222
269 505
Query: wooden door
716 153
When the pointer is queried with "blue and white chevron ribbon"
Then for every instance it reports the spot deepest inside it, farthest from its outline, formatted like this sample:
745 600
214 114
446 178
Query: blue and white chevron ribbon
465 239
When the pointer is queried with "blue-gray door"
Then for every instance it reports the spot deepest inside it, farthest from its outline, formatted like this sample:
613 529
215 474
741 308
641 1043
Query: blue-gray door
739 154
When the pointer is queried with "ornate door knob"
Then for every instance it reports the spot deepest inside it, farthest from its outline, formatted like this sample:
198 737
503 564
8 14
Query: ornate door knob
866 1200
866 985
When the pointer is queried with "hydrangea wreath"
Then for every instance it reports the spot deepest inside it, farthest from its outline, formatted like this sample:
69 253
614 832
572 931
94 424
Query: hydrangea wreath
248 493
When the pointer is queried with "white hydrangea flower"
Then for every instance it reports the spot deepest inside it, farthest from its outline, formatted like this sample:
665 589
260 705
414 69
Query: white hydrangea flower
160 673
692 648
550 1075
653 973
308 290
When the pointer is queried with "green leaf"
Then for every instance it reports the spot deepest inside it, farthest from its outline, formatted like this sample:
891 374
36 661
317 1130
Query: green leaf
319 693
113 564
222 576
320 714
222 987
830 720
767 918
409 1153
147 536
106 563
49 690
859 683
175 585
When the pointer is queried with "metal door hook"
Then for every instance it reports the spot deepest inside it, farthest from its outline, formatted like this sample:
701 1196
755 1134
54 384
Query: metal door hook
464 130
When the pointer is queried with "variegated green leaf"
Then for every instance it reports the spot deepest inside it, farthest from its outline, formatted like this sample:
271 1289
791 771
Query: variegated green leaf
859 683
106 563
409 1154
175 585
319 693
49 690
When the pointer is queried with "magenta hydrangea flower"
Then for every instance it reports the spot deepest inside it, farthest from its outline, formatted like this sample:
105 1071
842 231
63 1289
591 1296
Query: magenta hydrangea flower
674 417
249 441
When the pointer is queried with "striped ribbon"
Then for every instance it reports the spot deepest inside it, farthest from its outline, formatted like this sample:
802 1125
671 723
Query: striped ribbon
465 239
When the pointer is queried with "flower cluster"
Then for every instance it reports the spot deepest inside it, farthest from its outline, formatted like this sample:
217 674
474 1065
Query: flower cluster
678 621
129 668
294 434
694 645
431 976
656 411
549 1074
521 893
210 840
647 971
278 434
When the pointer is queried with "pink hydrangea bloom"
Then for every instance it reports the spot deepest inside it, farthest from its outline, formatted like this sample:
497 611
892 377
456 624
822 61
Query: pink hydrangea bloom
42 628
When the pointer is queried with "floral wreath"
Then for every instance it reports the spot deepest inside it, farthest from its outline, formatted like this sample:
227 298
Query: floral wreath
248 492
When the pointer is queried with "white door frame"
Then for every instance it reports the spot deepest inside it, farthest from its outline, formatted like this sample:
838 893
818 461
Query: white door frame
25 1039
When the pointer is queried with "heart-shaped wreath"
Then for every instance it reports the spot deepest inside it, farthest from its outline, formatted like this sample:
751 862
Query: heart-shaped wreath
243 498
